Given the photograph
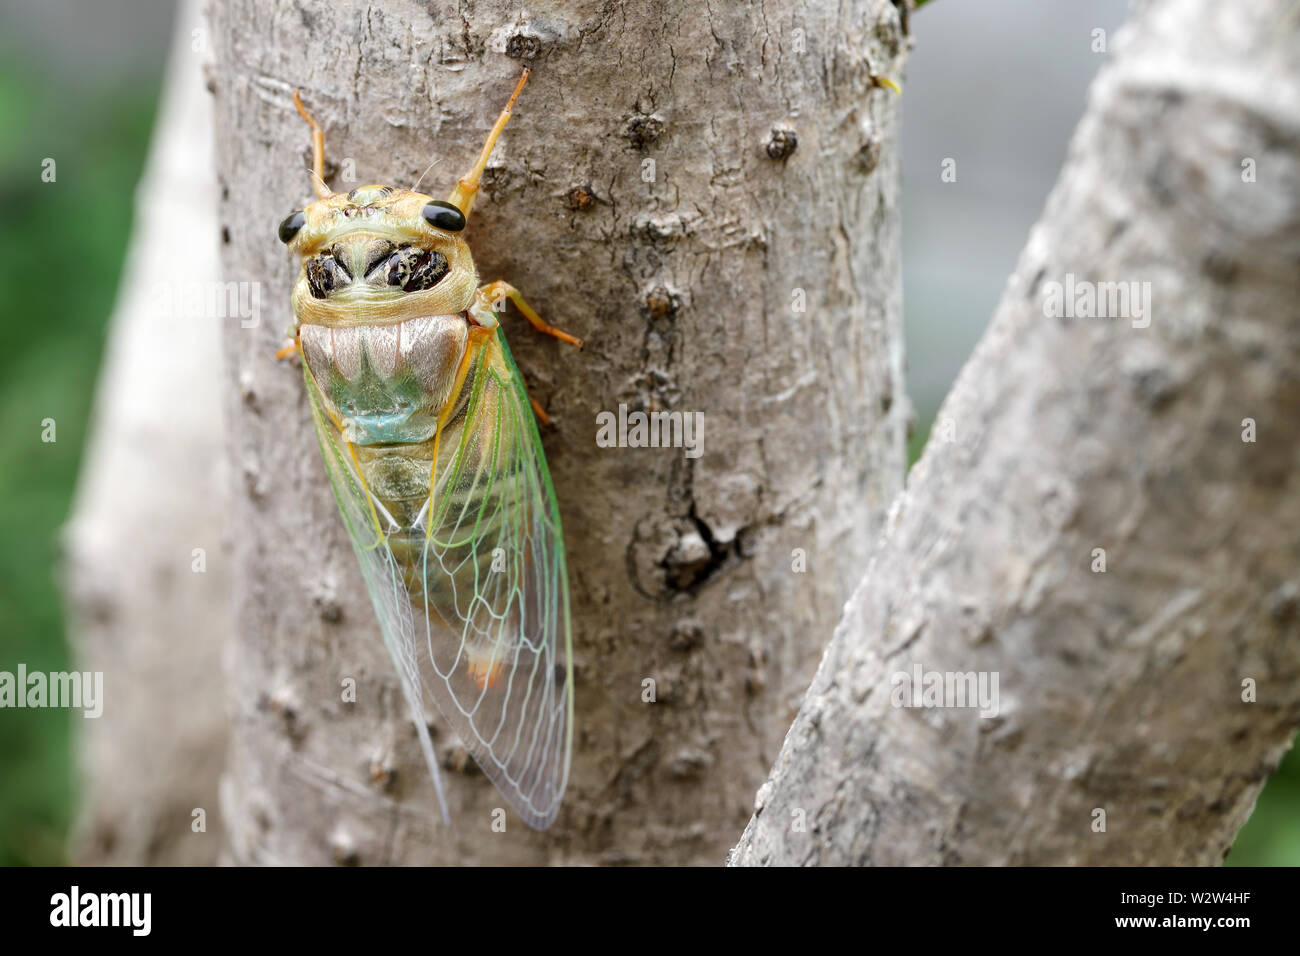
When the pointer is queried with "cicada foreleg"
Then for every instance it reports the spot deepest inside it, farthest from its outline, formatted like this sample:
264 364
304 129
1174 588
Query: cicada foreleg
488 299
288 349
492 294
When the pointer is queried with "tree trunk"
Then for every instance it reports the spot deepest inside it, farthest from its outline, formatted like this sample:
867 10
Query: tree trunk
1127 690
709 197
151 492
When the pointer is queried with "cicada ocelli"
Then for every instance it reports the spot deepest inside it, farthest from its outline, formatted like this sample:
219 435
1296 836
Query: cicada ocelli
433 453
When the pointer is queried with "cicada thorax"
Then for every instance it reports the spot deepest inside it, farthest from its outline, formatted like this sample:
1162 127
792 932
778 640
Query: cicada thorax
381 309
386 384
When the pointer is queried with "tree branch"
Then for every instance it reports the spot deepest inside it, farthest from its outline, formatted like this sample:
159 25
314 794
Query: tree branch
1120 691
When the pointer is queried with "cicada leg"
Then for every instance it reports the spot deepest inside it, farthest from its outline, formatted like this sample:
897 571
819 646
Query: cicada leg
542 417
489 296
317 147
540 412
494 292
289 348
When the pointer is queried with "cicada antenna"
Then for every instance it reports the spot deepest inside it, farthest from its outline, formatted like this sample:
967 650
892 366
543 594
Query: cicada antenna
462 197
425 173
317 148
322 190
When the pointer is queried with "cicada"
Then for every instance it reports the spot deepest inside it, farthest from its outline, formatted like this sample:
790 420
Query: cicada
430 443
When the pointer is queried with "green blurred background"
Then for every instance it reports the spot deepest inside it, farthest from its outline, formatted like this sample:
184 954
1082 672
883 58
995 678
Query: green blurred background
82 90
80 83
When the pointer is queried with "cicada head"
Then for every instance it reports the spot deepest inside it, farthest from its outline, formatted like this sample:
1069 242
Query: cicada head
383 253
390 253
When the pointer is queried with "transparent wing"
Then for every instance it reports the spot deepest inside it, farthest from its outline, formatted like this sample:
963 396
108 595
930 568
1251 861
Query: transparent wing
381 572
472 595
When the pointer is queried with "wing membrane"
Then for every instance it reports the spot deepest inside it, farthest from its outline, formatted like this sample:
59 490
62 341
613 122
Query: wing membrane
472 595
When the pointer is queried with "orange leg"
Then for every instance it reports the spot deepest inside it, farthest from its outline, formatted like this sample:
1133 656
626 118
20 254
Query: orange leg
492 294
537 409
288 350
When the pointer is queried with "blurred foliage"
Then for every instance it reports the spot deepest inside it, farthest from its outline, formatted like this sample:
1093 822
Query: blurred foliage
1271 837
61 252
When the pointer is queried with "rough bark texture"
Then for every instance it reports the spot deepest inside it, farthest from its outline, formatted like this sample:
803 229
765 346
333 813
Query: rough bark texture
684 289
1119 690
152 490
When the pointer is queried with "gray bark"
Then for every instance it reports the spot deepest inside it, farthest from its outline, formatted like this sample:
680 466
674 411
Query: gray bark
1123 690
684 289
152 490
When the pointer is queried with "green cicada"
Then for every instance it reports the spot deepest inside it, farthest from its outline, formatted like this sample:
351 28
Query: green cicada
430 444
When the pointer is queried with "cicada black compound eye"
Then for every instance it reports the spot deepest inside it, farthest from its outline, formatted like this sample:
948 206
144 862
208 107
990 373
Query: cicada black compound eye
443 215
292 223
